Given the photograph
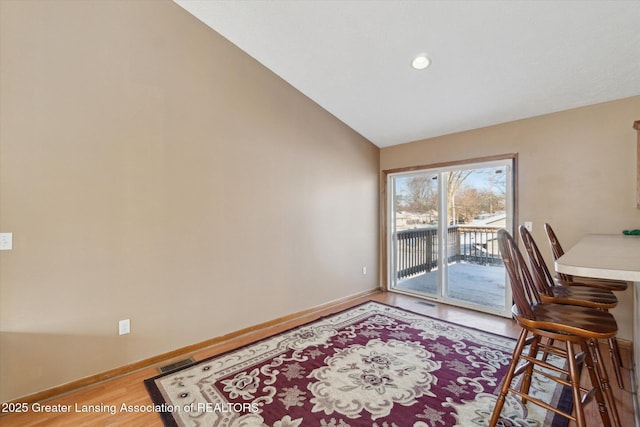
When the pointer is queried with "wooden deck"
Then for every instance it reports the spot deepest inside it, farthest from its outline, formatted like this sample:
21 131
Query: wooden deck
476 284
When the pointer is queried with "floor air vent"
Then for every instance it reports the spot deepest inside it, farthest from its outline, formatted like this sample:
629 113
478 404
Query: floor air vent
176 365
430 304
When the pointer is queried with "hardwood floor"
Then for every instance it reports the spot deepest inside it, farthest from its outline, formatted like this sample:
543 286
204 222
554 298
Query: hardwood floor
129 389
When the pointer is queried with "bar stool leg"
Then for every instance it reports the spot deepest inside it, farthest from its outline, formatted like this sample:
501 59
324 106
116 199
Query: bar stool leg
506 383
614 351
595 382
601 371
574 377
525 385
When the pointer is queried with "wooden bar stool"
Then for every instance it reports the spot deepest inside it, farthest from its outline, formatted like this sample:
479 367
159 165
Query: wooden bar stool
569 324
567 279
550 292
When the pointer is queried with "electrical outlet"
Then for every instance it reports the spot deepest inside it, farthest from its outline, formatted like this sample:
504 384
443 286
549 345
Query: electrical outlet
6 241
528 225
364 271
124 327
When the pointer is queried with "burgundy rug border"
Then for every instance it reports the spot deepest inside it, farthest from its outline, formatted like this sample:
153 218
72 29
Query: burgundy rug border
169 421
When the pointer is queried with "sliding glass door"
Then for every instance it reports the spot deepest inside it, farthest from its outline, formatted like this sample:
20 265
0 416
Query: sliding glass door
442 230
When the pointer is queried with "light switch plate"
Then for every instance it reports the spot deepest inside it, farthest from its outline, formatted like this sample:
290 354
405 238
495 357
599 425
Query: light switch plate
6 241
124 327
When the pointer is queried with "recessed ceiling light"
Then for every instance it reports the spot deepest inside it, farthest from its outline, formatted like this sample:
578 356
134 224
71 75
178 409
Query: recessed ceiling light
420 62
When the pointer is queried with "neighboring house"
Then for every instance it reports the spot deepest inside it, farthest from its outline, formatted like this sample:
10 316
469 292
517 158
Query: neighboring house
497 220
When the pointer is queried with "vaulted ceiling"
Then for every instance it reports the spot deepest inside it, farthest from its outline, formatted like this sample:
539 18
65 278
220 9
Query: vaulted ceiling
491 61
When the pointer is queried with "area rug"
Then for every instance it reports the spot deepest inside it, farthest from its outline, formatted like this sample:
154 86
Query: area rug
371 365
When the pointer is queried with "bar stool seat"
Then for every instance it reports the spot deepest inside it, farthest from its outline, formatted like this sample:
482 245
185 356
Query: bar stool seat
577 295
572 319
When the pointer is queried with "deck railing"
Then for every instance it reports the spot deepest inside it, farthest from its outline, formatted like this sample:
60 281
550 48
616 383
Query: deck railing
417 249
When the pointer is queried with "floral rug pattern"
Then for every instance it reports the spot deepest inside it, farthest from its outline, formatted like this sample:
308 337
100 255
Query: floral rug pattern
371 365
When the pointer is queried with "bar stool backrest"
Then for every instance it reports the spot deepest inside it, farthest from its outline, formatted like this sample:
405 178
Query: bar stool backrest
557 250
525 293
541 274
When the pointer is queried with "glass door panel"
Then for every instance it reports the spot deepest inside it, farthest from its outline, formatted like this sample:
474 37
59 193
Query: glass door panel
415 230
477 209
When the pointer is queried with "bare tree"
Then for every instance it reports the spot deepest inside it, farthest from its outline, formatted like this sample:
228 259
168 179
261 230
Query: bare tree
421 195
454 182
497 188
471 202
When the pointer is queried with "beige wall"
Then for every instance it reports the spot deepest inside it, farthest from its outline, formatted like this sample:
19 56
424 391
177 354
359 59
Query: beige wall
576 171
150 170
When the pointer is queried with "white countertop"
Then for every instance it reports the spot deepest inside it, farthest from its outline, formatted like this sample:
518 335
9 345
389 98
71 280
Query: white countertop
607 256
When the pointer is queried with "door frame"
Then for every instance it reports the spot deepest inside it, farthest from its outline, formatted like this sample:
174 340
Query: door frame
385 237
